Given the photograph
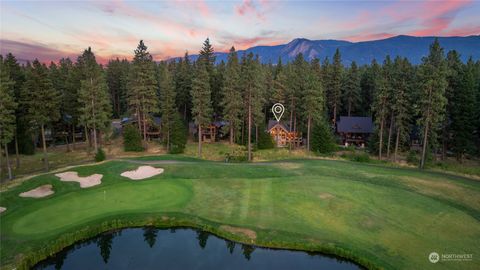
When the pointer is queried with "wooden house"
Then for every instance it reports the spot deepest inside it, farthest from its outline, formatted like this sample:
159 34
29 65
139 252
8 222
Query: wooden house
153 125
282 135
354 130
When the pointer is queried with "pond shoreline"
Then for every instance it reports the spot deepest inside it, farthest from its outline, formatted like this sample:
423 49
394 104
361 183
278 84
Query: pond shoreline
177 220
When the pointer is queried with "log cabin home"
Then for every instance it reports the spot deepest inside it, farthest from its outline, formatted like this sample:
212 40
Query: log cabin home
281 134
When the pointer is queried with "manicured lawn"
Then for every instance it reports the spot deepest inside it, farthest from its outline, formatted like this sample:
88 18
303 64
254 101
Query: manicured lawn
389 217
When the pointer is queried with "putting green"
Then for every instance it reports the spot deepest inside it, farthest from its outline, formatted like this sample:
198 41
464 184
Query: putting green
385 217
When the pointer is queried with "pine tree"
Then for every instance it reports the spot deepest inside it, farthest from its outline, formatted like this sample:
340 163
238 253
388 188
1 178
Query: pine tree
201 102
167 106
8 106
368 86
183 85
252 95
23 134
462 114
207 55
351 88
41 101
402 83
142 88
298 81
313 101
388 70
334 90
232 96
432 76
381 101
117 79
93 98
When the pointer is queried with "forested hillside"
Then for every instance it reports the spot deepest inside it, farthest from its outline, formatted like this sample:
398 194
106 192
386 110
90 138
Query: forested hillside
436 102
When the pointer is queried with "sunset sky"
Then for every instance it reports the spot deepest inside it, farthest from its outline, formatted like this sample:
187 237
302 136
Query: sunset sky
51 30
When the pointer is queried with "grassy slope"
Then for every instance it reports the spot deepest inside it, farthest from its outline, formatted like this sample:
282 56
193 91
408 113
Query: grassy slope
390 217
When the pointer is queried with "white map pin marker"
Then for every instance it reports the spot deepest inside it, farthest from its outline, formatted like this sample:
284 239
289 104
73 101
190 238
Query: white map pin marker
278 111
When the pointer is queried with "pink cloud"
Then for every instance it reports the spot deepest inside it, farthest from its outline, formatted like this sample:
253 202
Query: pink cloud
432 16
123 8
247 7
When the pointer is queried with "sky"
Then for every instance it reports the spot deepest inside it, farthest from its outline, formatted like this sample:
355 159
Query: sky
50 30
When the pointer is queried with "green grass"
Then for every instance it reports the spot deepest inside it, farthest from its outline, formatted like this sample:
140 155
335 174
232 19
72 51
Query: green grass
382 217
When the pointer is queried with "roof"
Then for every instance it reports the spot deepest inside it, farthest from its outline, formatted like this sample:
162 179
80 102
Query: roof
272 123
355 124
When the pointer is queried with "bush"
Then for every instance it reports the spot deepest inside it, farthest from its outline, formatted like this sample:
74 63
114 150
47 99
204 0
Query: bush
265 141
322 140
412 157
100 155
132 141
357 157
178 138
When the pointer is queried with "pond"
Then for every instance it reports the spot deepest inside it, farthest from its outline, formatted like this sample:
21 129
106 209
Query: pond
181 248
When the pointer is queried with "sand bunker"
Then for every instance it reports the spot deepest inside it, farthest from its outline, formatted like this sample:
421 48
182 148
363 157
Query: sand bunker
39 192
325 196
85 182
2 209
142 172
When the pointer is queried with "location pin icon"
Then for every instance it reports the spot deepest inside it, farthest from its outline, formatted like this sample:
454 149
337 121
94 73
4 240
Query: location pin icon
278 111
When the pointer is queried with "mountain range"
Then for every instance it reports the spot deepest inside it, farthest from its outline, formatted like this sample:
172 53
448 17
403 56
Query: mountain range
413 48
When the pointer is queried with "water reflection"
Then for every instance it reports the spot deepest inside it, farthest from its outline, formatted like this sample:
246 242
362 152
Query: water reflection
180 249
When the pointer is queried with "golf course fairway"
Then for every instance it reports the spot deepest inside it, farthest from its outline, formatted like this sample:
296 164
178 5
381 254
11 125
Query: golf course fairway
380 217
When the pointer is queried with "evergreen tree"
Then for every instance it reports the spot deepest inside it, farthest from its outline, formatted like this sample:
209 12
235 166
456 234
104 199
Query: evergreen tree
23 133
61 76
41 101
167 106
93 98
207 55
178 135
380 103
201 102
402 83
313 101
462 113
232 96
142 88
8 106
432 78
351 88
368 85
334 90
388 73
252 95
297 81
117 79
183 85
322 140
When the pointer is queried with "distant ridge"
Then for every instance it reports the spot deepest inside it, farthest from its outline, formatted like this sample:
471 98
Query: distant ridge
413 48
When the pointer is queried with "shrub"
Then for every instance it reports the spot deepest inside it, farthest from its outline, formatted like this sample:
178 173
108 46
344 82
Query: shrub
132 141
100 155
412 157
322 140
265 141
357 157
178 138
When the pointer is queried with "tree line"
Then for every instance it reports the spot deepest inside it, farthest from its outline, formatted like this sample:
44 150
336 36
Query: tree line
437 102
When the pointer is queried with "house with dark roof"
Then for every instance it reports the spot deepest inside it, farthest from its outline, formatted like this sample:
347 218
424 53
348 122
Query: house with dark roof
354 129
